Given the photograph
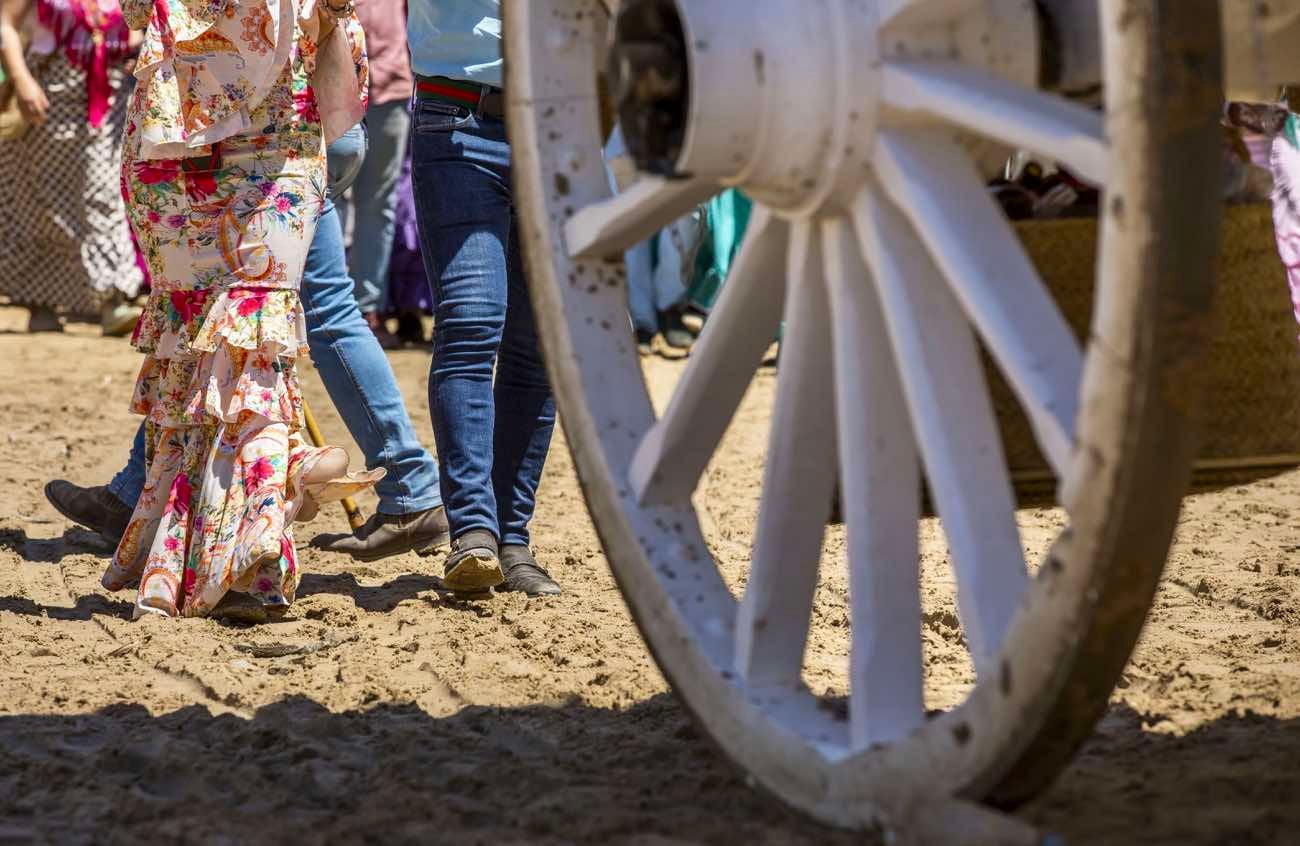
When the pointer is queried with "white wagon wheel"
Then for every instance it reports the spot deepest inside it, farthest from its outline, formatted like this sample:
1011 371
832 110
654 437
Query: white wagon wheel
875 241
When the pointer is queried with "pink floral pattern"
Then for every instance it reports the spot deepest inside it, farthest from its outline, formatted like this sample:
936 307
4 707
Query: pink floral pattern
224 176
189 544
208 66
1284 162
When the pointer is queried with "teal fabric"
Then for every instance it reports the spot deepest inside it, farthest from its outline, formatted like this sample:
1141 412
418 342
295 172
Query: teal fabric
728 217
458 39
1291 133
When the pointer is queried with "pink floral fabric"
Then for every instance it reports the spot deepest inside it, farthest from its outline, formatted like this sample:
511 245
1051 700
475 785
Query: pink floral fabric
223 172
1284 162
214 517
206 66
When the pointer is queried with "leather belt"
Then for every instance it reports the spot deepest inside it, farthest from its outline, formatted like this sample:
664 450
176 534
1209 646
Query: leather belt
485 100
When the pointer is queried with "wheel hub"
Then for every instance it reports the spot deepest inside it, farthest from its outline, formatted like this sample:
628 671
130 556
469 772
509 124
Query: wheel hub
782 100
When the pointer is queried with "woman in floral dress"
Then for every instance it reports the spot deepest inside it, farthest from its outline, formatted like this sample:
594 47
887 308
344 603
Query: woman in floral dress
224 175
65 242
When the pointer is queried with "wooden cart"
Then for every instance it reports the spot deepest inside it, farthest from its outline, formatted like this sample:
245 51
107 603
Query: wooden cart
861 128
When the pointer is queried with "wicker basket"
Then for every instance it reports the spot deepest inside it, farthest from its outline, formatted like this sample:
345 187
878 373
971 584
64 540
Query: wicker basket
1252 419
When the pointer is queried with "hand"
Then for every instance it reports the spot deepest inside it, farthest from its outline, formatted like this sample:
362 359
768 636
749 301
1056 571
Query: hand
32 102
325 19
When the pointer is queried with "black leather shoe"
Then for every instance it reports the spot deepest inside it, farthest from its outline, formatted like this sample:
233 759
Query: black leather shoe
95 508
675 333
524 574
385 535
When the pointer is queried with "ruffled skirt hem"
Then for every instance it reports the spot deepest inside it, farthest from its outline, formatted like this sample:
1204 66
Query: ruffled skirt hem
220 395
215 516
221 357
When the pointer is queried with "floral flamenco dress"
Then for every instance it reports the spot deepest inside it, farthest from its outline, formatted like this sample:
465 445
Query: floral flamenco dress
223 173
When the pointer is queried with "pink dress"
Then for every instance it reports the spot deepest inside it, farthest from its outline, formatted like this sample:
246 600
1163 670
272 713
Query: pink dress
1284 162
224 174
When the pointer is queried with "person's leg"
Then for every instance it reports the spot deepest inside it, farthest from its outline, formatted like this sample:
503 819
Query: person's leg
360 382
105 509
464 213
639 259
525 409
492 440
129 481
359 379
679 244
373 201
641 291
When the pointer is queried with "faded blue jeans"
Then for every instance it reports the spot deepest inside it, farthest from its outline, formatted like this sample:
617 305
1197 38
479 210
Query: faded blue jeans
492 436
373 201
656 268
351 364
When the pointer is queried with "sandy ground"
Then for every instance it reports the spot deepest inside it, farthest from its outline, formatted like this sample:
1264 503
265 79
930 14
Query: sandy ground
382 710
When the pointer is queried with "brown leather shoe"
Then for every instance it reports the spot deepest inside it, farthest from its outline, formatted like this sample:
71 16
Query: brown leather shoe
385 535
95 508
472 569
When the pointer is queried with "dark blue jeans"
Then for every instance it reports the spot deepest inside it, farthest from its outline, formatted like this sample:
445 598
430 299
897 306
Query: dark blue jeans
492 436
351 364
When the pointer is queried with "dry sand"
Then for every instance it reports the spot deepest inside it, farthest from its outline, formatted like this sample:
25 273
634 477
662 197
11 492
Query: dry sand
399 715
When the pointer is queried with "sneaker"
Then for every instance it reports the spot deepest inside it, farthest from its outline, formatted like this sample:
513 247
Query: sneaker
693 319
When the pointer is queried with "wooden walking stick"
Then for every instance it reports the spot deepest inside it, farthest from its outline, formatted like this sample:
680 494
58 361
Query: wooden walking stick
355 518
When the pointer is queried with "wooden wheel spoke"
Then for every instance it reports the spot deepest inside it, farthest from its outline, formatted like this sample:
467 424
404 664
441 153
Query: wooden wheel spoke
978 254
862 155
744 323
798 482
1003 111
953 417
880 484
609 227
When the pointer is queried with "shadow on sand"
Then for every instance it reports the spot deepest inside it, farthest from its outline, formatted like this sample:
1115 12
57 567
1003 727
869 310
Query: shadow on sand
558 774
74 541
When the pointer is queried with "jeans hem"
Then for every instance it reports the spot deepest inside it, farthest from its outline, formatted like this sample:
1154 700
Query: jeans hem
398 509
115 488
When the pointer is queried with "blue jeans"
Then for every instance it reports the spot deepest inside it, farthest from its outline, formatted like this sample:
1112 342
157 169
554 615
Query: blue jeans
654 267
374 202
351 364
345 159
492 438
129 481
654 281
